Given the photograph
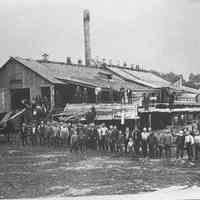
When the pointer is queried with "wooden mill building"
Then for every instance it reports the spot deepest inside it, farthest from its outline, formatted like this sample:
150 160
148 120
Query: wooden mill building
26 78
22 78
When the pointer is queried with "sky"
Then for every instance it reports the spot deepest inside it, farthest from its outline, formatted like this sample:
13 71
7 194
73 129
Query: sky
163 35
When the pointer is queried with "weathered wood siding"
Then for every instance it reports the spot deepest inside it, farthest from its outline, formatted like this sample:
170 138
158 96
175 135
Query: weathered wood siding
14 75
4 100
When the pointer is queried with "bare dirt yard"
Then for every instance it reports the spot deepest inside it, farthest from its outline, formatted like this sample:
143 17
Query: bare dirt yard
32 172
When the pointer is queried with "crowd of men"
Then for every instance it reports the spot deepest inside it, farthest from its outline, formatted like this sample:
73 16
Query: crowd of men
145 143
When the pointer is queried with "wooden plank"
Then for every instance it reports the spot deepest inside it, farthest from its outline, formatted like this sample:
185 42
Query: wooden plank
5 118
103 111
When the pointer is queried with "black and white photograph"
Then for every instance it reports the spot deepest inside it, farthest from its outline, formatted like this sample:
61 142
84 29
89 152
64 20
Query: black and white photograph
100 99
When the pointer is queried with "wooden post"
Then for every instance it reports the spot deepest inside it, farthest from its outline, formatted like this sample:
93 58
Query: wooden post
52 92
172 120
136 125
150 123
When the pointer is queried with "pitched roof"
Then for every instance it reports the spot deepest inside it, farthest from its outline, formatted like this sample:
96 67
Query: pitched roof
38 68
148 77
144 78
60 73
190 90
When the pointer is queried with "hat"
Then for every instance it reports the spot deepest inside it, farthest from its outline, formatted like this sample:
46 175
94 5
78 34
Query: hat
196 132
180 132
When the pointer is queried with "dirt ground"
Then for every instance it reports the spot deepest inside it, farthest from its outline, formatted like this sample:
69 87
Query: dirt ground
30 172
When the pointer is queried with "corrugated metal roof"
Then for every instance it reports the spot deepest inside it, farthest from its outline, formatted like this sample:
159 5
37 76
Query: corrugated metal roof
141 77
148 77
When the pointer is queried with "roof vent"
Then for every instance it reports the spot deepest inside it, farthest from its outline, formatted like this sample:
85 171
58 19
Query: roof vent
69 61
118 63
80 62
45 56
110 62
104 62
132 66
125 64
137 67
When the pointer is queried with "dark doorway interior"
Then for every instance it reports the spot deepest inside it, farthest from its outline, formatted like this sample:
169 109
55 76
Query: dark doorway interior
45 92
63 95
67 94
17 95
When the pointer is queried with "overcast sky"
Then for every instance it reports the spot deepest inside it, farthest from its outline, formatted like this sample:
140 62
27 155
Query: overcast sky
161 34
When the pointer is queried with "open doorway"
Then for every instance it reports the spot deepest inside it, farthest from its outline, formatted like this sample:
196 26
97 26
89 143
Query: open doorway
17 95
45 92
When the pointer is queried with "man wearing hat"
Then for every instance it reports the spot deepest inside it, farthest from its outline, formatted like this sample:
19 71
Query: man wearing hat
180 140
161 142
189 142
153 143
168 140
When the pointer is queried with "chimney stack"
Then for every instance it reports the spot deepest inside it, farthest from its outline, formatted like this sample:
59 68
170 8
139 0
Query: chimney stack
86 22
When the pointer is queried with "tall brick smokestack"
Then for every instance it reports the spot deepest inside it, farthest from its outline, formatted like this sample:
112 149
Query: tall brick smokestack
86 22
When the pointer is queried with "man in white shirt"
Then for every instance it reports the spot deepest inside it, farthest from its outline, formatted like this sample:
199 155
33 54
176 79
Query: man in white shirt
144 136
104 131
189 142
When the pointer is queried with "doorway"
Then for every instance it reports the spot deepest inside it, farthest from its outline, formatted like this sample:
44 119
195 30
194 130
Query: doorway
17 95
45 92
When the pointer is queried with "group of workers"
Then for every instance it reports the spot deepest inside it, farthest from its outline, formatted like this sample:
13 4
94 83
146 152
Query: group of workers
146 143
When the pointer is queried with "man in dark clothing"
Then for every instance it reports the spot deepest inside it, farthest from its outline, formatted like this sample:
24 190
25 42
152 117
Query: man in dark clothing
168 139
153 143
92 132
122 95
137 141
129 94
85 95
33 134
41 131
111 95
114 137
145 101
180 141
78 95
91 115
161 143
24 134
171 100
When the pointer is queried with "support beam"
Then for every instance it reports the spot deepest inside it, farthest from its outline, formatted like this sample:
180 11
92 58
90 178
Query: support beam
52 92
150 122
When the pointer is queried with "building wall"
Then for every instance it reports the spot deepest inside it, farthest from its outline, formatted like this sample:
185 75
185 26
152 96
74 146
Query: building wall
14 76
